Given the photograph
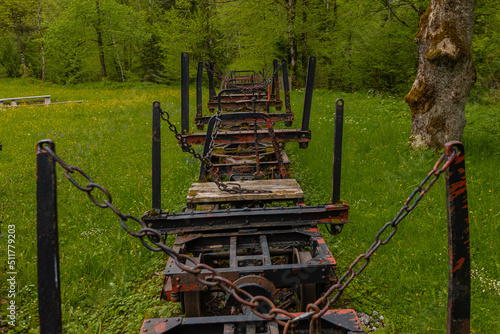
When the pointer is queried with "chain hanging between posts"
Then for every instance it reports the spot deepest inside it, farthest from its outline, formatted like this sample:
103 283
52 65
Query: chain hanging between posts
313 311
156 238
417 194
232 188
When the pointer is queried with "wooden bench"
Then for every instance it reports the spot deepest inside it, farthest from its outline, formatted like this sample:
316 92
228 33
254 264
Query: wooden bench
208 194
45 99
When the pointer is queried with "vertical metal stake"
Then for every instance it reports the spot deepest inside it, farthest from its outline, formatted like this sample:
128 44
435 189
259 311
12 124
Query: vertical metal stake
49 294
311 69
459 289
185 92
275 76
206 148
337 150
286 86
156 164
199 78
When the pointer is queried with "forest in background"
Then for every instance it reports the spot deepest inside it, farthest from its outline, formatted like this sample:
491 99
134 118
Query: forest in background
361 45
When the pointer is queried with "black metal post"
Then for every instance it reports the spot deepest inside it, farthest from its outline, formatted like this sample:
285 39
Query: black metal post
49 294
286 86
337 150
156 164
199 78
286 92
206 148
185 92
275 77
306 114
459 289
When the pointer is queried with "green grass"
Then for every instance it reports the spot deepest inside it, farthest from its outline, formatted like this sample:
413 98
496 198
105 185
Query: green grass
108 278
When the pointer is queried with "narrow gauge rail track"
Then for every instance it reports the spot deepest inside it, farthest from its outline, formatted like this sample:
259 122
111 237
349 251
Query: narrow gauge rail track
264 266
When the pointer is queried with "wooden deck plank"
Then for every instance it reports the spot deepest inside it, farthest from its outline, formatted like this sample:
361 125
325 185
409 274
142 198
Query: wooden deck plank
282 189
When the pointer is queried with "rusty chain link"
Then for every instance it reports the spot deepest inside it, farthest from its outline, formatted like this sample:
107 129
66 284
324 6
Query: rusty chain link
408 206
313 310
229 187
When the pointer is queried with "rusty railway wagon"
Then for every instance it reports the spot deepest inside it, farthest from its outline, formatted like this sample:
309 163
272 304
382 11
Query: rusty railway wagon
245 91
236 223
249 256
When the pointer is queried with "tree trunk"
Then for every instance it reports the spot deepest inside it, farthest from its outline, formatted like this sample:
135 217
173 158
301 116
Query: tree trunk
445 74
17 31
305 49
292 43
117 53
41 40
98 28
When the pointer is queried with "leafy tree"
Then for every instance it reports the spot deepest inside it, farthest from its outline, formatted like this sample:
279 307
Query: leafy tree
40 4
361 45
190 26
255 45
15 19
88 37
485 42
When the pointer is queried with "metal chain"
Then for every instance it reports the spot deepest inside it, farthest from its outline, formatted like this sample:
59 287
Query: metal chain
229 187
417 194
214 278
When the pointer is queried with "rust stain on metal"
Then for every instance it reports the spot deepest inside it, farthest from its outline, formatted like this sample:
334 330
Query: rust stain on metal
457 188
459 264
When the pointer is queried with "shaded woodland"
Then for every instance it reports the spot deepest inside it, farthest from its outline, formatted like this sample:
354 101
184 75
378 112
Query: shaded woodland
360 45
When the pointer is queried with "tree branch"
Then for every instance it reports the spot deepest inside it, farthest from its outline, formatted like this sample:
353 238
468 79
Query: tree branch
386 3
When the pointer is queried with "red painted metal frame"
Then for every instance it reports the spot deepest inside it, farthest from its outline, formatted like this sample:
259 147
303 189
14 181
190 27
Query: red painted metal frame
239 97
225 247
340 320
248 136
275 117
257 218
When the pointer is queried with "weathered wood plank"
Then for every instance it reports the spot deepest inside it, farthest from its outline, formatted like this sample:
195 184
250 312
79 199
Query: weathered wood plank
281 189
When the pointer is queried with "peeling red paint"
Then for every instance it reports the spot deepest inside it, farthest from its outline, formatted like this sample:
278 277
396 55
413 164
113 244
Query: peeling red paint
457 188
460 262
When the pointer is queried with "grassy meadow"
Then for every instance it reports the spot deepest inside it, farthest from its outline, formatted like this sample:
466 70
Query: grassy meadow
110 282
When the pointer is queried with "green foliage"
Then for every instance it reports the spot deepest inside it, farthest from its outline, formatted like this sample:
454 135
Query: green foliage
71 40
485 49
108 278
9 62
361 45
189 27
25 72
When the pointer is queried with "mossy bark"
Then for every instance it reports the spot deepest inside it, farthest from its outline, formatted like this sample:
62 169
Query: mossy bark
445 74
